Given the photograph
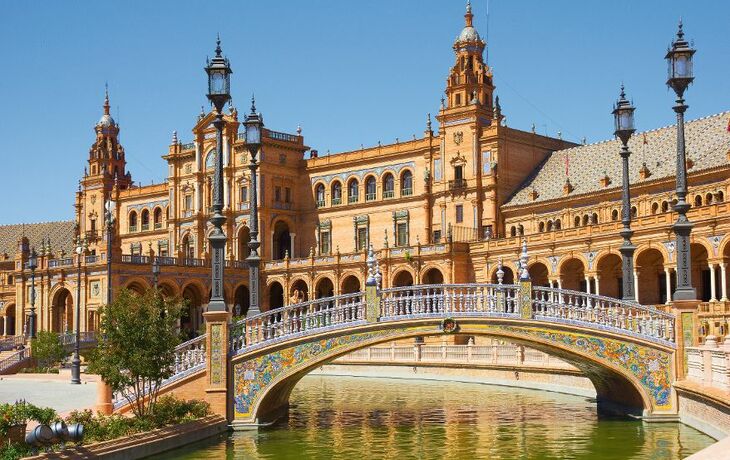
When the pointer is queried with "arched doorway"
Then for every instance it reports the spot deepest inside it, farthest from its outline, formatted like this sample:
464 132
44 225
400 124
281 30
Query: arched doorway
244 236
62 311
324 288
350 285
700 271
651 285
168 291
298 292
281 240
539 274
610 282
242 301
136 288
507 278
188 247
403 278
572 275
9 326
192 317
432 276
276 295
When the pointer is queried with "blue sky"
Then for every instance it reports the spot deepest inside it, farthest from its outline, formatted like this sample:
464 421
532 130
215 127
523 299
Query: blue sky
348 72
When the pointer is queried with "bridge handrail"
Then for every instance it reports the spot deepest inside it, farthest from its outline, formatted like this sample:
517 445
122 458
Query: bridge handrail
454 285
633 304
17 357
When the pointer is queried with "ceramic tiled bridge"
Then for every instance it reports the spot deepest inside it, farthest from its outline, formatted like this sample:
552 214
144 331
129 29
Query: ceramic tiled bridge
247 369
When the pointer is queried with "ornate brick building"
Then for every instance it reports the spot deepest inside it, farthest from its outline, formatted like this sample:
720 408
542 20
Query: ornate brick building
446 206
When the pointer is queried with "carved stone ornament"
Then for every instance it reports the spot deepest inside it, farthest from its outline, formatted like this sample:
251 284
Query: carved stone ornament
458 137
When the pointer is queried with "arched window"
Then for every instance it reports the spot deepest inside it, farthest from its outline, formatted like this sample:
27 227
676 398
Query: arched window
520 230
210 160
337 193
388 186
654 208
550 226
541 227
665 206
698 201
586 220
353 191
145 220
634 211
576 221
406 183
708 198
720 196
512 231
370 188
133 221
319 195
157 218
557 224
594 218
614 215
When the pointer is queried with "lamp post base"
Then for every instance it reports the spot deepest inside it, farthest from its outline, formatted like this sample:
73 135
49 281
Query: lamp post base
76 371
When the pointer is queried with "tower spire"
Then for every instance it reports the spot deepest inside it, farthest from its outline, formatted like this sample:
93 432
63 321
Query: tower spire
468 16
106 99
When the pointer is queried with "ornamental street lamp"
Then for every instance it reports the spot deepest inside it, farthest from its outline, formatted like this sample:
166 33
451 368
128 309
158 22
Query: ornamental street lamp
81 247
623 115
109 240
32 265
679 60
219 85
254 124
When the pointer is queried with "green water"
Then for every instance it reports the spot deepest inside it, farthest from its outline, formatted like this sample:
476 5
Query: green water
363 418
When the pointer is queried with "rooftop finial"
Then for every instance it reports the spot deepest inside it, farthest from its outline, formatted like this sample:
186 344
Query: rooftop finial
174 138
106 99
218 49
468 16
253 104
428 121
680 32
623 93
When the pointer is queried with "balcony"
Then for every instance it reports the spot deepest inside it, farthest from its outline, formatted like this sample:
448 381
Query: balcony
66 262
132 228
336 201
145 227
406 192
193 262
457 184
158 225
236 264
244 206
320 204
282 136
370 197
92 259
188 146
135 259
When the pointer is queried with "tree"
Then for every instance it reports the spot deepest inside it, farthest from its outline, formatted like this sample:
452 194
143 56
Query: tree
47 349
136 350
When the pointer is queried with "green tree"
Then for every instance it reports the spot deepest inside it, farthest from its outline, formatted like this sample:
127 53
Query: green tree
136 351
47 349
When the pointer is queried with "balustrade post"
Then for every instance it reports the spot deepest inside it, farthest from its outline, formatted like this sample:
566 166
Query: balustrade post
216 349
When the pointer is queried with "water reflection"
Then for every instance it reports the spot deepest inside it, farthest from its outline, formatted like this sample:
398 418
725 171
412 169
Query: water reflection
358 418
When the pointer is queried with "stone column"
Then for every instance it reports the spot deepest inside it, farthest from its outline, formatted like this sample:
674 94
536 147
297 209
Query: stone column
598 292
216 349
588 284
668 281
723 280
291 248
713 290
636 285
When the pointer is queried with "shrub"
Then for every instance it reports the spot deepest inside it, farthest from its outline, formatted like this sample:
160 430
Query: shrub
47 349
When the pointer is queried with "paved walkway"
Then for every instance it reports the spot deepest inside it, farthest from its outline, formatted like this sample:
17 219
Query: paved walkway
50 390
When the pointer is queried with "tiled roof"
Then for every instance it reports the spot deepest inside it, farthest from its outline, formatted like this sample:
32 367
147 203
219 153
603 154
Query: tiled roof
707 140
61 234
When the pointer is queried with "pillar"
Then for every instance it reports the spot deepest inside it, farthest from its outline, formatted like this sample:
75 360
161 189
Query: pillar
668 282
713 290
588 284
7 329
104 402
216 349
598 292
636 285
723 281
291 248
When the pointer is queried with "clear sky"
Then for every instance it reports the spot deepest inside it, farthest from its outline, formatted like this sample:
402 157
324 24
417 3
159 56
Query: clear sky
348 72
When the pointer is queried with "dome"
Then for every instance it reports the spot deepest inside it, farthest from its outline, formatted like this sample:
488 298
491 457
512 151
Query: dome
468 34
106 121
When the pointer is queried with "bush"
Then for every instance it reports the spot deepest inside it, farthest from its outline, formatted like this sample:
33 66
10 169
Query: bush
47 349
39 370
21 412
14 451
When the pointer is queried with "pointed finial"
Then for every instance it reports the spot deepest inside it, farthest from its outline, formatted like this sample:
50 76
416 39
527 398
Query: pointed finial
371 261
468 6
524 272
202 113
533 128
680 32
443 103
299 130
428 121
500 271
253 104
584 140
218 49
623 93
560 135
174 138
106 99
468 16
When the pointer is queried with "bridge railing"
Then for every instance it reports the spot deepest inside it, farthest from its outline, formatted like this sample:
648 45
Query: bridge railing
298 319
14 359
450 300
566 306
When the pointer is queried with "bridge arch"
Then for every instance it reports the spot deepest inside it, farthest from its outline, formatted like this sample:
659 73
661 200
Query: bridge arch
168 287
601 357
137 285
649 268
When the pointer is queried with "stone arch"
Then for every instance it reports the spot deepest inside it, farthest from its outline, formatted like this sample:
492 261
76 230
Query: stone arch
132 224
701 270
623 383
187 245
243 238
320 193
192 317
168 288
403 277
608 267
507 278
324 287
371 187
281 238
241 300
406 182
539 274
646 247
157 217
144 219
353 189
649 268
432 275
350 284
572 272
9 319
275 293
300 285
336 191
62 306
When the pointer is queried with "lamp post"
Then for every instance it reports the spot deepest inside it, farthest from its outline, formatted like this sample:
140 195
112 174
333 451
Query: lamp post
623 115
109 240
254 124
679 60
219 85
81 246
32 265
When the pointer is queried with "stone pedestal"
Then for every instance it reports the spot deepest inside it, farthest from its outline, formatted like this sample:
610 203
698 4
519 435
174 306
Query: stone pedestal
104 398
684 332
216 349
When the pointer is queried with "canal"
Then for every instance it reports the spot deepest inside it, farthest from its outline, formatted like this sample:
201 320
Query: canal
361 418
